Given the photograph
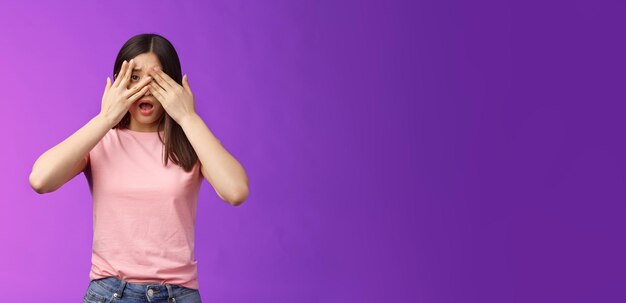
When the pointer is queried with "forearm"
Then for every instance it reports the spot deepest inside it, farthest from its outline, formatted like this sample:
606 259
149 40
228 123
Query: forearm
61 163
219 167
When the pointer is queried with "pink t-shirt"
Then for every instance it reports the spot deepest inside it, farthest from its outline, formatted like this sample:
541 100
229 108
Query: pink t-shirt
144 213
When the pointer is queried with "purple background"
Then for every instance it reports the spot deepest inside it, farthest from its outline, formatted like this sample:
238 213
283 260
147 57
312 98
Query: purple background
398 151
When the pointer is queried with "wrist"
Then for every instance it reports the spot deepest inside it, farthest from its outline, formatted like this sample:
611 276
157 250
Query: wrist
105 120
187 120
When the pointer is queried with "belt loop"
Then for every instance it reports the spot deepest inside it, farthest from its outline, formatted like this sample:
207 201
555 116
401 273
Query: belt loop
120 291
170 294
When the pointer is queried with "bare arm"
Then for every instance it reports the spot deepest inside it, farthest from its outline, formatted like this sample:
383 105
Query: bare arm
219 167
65 160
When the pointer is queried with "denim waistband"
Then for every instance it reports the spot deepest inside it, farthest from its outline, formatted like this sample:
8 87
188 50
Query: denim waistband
122 288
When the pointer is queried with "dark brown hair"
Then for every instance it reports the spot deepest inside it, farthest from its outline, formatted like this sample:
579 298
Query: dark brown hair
177 146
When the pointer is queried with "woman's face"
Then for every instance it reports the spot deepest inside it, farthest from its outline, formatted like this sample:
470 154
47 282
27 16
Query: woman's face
148 120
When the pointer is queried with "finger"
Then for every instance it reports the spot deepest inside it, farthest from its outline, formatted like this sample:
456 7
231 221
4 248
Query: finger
157 88
106 87
161 82
156 92
137 87
129 72
138 94
157 85
163 79
186 84
120 75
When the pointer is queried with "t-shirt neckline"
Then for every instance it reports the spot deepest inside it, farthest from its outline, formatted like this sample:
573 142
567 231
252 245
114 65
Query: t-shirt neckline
139 132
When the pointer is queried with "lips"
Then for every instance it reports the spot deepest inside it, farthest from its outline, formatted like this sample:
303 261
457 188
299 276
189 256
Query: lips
145 104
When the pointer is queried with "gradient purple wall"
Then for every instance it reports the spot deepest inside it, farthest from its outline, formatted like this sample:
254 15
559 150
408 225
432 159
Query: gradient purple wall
398 151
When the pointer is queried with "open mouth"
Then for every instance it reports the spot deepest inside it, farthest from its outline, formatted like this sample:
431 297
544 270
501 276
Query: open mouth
145 107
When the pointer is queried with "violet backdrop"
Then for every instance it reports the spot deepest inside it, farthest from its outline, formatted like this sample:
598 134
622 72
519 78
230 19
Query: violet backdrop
398 151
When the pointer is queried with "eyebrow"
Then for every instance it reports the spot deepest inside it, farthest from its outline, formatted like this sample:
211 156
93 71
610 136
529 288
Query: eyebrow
136 69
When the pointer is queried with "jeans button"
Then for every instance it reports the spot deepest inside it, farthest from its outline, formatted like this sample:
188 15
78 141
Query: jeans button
150 292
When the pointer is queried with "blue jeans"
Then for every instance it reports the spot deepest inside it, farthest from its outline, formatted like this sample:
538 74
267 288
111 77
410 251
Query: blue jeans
112 289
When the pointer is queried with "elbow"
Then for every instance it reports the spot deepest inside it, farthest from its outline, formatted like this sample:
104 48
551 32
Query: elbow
40 185
239 197
36 184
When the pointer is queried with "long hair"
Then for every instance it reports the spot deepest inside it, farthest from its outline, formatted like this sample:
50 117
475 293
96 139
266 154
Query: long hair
178 149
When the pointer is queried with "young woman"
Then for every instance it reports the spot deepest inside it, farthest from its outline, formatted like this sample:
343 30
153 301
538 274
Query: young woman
144 156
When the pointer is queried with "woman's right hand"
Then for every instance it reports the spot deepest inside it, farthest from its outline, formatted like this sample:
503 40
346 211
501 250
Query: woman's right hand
117 98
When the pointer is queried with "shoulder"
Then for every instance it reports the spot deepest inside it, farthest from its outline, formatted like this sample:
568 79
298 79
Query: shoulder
112 135
108 139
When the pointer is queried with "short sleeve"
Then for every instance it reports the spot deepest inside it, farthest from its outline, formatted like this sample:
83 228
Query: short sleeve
95 151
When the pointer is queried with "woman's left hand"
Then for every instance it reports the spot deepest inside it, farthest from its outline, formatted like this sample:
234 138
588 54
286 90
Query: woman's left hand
176 100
